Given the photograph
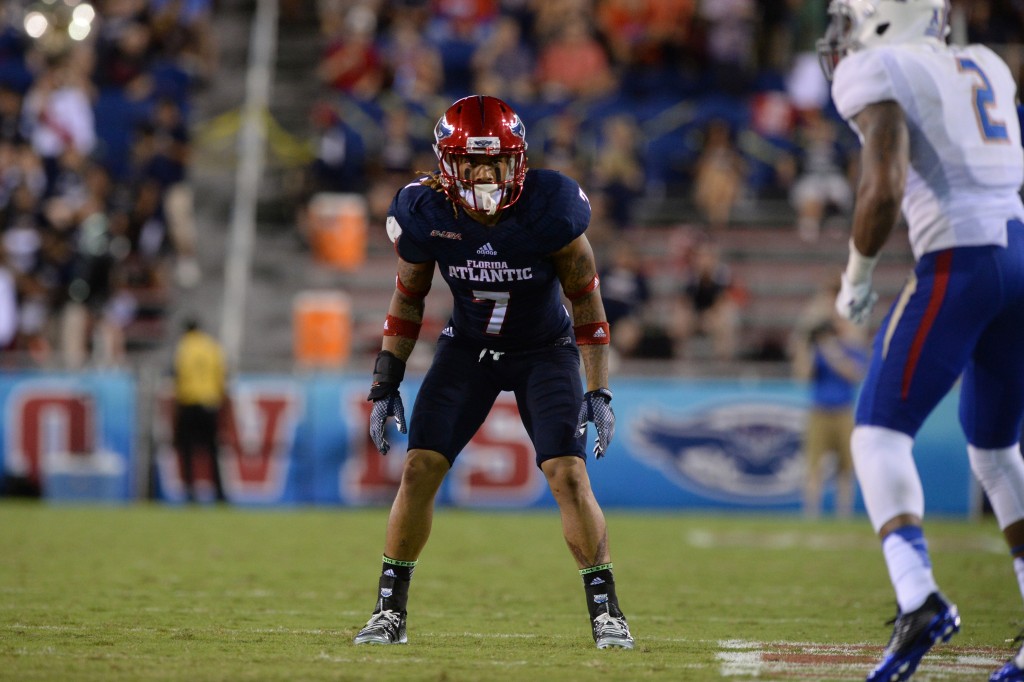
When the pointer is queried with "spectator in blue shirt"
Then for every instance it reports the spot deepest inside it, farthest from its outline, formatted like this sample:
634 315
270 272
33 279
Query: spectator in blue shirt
833 359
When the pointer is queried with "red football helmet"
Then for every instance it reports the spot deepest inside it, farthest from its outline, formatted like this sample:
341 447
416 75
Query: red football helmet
484 126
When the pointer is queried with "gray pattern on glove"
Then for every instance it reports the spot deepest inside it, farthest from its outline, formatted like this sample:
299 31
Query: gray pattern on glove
597 408
388 406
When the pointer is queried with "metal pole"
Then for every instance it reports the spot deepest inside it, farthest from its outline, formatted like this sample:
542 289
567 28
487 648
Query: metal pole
251 159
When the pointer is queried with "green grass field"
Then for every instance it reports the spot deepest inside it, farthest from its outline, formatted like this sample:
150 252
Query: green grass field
160 593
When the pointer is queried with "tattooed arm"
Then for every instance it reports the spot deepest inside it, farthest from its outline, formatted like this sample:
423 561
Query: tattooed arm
576 270
407 304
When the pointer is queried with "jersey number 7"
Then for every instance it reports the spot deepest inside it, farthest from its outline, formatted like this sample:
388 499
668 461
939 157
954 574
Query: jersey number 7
499 303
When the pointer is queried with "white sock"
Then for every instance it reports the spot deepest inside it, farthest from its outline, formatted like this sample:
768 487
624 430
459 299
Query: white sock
1018 568
910 569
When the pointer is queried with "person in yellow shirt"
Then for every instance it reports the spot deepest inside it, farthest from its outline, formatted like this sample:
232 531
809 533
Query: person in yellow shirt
200 390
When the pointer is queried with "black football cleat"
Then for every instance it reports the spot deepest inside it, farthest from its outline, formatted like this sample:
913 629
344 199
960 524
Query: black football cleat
913 634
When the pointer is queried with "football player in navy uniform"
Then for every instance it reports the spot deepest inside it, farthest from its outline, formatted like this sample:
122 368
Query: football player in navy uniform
509 242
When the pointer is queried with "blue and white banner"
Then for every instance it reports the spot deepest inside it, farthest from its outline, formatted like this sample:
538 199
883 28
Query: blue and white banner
302 439
69 436
678 445
727 444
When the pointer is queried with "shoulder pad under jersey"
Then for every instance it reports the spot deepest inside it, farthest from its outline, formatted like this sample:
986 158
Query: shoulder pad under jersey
555 207
413 211
861 79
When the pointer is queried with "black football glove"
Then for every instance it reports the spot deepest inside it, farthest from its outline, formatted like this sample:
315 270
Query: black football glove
388 373
597 408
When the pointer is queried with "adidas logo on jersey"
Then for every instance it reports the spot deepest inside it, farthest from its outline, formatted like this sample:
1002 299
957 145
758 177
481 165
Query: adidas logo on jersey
487 250
448 331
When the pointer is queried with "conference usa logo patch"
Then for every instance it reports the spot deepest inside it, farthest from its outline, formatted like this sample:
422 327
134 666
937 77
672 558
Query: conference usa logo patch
748 452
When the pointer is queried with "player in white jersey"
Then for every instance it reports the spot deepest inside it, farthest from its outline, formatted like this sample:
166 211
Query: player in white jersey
940 135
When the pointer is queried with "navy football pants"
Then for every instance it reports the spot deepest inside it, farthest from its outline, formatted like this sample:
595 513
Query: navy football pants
463 382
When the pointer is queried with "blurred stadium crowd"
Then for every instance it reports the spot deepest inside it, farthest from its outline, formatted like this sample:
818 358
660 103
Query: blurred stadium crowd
657 107
703 114
94 152
721 101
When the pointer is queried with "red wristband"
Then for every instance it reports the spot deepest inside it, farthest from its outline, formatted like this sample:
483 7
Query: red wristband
396 326
406 291
576 295
594 333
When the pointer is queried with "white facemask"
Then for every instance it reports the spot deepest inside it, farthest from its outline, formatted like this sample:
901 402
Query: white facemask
485 196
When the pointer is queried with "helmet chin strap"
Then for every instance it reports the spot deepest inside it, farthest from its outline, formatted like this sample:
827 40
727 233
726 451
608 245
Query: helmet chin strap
485 196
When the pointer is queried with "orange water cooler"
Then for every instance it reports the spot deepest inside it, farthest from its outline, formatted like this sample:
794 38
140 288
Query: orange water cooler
338 224
322 325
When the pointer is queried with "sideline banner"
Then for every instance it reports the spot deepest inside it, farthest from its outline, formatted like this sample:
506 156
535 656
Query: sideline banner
302 439
710 445
723 444
68 436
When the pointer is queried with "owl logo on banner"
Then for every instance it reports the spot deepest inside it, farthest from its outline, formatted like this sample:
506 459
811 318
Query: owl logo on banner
746 453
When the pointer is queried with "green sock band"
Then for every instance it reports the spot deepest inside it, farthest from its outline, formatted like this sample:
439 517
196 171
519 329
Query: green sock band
403 564
595 569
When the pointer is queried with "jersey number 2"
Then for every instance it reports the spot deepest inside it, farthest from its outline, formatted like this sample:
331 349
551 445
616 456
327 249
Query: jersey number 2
984 98
499 302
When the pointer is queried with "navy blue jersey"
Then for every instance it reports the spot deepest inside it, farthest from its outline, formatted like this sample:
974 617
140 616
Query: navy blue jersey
506 294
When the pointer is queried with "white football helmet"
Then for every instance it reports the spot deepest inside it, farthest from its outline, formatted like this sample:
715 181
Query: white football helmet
858 24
